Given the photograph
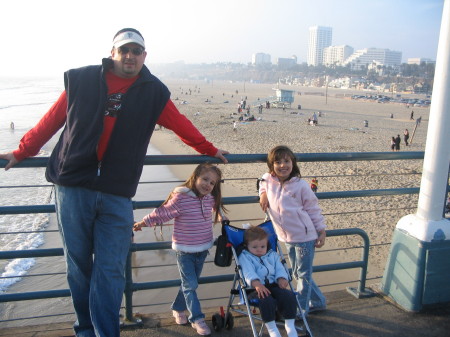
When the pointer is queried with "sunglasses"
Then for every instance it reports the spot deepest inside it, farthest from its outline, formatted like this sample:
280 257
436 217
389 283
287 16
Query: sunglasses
135 51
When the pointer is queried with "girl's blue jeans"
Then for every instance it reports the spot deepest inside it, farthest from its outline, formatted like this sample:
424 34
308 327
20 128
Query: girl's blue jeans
190 266
96 232
301 256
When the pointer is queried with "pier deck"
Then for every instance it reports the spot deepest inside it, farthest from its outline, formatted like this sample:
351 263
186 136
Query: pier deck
346 316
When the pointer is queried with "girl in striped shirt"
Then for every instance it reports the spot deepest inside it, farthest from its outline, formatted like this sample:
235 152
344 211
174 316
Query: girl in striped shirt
191 205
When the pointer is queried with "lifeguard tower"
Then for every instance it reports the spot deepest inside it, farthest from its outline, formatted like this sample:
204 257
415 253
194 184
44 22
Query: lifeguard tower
284 98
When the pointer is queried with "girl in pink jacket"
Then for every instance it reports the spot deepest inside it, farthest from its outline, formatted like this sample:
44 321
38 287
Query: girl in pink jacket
298 221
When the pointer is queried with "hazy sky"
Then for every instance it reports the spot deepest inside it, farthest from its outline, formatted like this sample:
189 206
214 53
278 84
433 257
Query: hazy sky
42 37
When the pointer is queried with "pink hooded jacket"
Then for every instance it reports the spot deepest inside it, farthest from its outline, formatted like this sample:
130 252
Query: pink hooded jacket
293 208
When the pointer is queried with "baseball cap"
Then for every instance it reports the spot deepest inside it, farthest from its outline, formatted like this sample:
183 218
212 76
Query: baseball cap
128 35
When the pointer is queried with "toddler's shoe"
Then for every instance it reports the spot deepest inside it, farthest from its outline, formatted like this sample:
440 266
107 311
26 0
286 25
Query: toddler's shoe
201 327
316 308
180 317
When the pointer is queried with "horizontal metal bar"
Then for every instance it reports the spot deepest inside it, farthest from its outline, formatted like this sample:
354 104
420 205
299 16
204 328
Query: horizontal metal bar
177 282
338 266
30 209
347 231
21 254
247 158
35 295
367 193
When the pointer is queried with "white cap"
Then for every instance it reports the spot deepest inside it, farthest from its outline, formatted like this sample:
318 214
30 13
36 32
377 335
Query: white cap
128 37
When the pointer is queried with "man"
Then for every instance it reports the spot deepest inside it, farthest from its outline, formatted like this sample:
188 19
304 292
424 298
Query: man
109 112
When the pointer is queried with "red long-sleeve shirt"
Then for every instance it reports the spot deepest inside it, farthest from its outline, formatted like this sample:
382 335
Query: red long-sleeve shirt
55 118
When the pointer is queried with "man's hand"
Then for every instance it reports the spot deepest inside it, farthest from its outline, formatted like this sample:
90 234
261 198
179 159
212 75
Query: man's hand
219 154
10 158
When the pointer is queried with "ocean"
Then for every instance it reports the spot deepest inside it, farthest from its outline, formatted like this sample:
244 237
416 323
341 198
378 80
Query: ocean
23 101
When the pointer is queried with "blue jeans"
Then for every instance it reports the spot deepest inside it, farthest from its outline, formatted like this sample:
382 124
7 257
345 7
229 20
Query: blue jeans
96 232
190 266
301 256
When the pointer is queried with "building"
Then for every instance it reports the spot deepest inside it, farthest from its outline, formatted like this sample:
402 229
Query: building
420 60
260 59
319 38
363 57
286 63
336 55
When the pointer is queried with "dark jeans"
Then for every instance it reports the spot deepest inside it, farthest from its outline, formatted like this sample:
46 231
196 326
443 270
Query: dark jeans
281 299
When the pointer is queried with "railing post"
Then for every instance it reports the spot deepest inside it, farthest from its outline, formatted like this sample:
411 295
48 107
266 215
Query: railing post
362 292
365 259
128 293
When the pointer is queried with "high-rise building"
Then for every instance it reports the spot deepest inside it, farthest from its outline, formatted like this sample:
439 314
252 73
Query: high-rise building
420 60
336 55
260 59
319 38
364 57
286 63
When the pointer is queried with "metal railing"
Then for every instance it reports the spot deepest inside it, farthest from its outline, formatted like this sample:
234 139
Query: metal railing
132 287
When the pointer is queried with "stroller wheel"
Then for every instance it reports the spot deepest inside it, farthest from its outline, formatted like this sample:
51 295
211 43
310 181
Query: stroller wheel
217 322
229 321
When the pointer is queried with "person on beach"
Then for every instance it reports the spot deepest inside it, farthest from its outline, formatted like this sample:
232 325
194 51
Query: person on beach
191 205
109 112
393 143
406 136
314 119
264 272
398 140
298 221
314 184
418 120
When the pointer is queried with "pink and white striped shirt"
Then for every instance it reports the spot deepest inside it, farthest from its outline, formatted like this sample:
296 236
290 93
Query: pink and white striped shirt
192 228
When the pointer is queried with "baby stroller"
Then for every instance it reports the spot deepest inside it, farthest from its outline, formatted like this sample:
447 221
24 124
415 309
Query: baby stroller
240 289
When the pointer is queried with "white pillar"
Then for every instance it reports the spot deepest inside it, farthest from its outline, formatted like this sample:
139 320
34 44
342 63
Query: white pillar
428 219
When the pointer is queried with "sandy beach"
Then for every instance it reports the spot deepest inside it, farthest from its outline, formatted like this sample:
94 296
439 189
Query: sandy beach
212 107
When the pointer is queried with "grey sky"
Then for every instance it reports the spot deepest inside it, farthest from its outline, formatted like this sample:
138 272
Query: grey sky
51 36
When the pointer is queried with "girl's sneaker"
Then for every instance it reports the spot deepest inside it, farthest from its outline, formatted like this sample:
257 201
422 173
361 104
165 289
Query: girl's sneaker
180 317
201 327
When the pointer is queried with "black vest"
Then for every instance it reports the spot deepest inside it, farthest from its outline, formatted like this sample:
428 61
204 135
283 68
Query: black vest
73 161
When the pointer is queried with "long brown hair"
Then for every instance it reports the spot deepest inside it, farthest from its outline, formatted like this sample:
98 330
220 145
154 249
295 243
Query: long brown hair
216 191
279 152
